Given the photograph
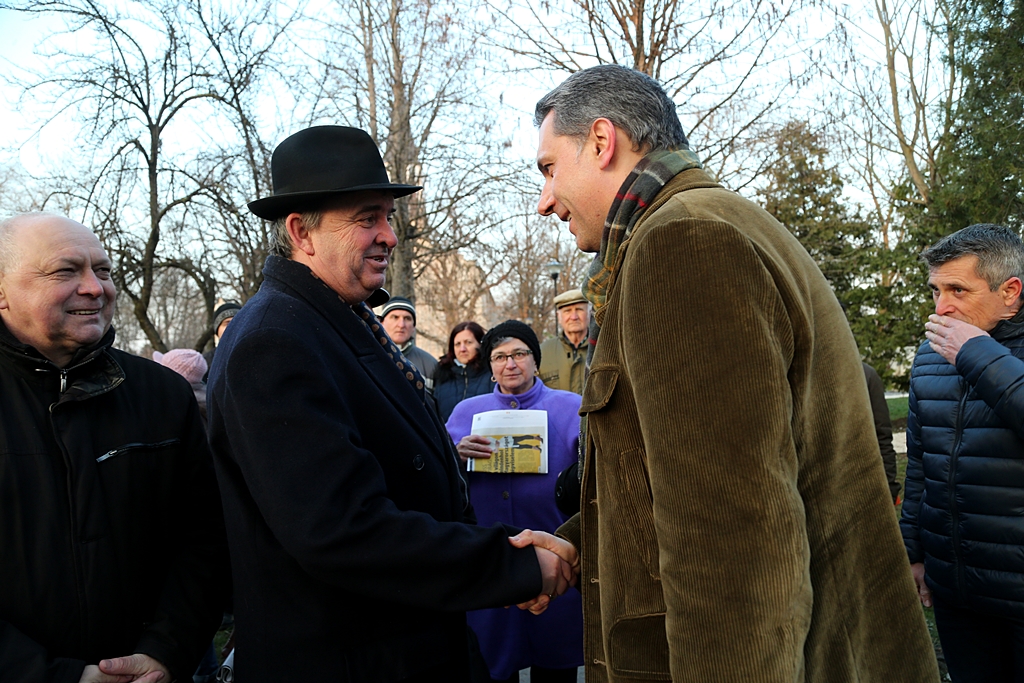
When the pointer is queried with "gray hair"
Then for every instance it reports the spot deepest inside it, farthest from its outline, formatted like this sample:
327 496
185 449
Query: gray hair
9 251
630 99
280 241
999 249
504 340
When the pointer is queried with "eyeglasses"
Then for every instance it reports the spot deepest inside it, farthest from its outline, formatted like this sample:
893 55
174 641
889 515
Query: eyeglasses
517 356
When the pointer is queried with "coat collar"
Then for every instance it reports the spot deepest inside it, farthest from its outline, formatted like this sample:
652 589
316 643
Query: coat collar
379 367
91 372
1009 329
527 400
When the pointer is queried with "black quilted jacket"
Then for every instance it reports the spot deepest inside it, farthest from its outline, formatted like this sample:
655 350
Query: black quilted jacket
963 515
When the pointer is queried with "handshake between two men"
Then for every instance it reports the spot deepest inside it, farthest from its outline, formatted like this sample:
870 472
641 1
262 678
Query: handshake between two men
559 566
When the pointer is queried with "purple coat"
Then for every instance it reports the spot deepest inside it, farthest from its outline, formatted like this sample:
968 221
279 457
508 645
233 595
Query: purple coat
512 639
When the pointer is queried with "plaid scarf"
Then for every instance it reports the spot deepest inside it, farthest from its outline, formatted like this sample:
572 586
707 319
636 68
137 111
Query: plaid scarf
638 190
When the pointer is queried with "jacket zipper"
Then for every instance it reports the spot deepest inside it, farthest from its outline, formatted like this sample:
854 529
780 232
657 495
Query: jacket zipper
133 446
951 486
76 559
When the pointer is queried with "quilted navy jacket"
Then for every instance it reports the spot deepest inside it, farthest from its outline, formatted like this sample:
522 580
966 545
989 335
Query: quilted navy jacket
964 510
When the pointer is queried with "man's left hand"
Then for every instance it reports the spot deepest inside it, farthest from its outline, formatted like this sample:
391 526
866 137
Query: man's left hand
947 335
143 668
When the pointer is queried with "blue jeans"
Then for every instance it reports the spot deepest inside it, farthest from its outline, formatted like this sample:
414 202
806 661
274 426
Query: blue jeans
980 648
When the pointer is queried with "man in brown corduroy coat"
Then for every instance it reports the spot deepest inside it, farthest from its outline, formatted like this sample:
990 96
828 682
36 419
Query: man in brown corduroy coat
735 522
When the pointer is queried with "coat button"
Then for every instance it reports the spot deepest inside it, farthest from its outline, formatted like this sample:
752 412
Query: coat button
513 404
505 495
417 461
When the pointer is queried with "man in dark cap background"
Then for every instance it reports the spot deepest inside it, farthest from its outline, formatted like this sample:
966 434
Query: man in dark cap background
342 492
565 354
222 316
399 319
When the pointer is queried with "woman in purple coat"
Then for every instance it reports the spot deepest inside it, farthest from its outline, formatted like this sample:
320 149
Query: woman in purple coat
511 639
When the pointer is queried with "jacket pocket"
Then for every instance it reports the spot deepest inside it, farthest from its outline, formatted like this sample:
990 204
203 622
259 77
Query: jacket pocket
638 648
136 447
599 389
635 508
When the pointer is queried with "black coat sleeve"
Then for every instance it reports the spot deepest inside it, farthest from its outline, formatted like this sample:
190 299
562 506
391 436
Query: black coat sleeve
883 427
23 659
197 586
295 421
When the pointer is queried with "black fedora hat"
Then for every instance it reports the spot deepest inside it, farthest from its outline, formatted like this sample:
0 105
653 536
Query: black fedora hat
322 161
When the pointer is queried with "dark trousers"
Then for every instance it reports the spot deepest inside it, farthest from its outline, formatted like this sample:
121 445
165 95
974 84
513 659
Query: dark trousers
980 648
541 675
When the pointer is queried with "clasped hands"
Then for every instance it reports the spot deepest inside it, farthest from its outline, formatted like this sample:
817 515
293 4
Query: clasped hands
559 566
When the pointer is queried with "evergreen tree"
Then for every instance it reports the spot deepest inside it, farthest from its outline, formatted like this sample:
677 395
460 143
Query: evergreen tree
882 287
806 195
982 173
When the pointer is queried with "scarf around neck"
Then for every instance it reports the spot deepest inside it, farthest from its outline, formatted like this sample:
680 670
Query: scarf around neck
638 190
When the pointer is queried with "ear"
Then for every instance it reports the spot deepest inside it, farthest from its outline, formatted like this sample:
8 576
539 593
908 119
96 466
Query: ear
1011 291
299 234
4 303
602 142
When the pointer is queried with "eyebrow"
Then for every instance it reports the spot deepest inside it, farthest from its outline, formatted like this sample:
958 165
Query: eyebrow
372 207
58 262
960 284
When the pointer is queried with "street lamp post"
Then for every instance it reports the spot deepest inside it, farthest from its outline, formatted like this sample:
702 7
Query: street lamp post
553 268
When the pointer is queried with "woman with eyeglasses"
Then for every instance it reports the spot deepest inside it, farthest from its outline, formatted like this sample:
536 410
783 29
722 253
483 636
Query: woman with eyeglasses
550 644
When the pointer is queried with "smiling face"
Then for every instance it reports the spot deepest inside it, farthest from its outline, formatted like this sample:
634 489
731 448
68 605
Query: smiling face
960 293
466 346
514 376
57 296
351 247
572 185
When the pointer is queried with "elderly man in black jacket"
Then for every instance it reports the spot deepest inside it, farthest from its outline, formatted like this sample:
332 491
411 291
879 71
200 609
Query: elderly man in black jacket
342 493
962 516
113 562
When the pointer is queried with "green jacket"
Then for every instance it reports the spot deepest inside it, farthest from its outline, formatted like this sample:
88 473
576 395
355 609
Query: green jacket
563 366
735 523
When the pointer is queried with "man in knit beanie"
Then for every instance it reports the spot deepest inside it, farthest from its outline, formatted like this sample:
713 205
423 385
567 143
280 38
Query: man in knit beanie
398 316
222 316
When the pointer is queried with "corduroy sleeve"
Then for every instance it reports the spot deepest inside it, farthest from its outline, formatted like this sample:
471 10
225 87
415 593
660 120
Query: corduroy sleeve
716 418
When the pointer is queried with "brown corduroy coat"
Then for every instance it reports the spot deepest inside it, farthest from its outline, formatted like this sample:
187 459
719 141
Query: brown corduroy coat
735 523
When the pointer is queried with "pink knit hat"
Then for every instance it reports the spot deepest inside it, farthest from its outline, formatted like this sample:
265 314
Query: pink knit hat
188 363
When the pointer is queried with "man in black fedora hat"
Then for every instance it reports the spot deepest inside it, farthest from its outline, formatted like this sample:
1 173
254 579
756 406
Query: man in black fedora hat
342 494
